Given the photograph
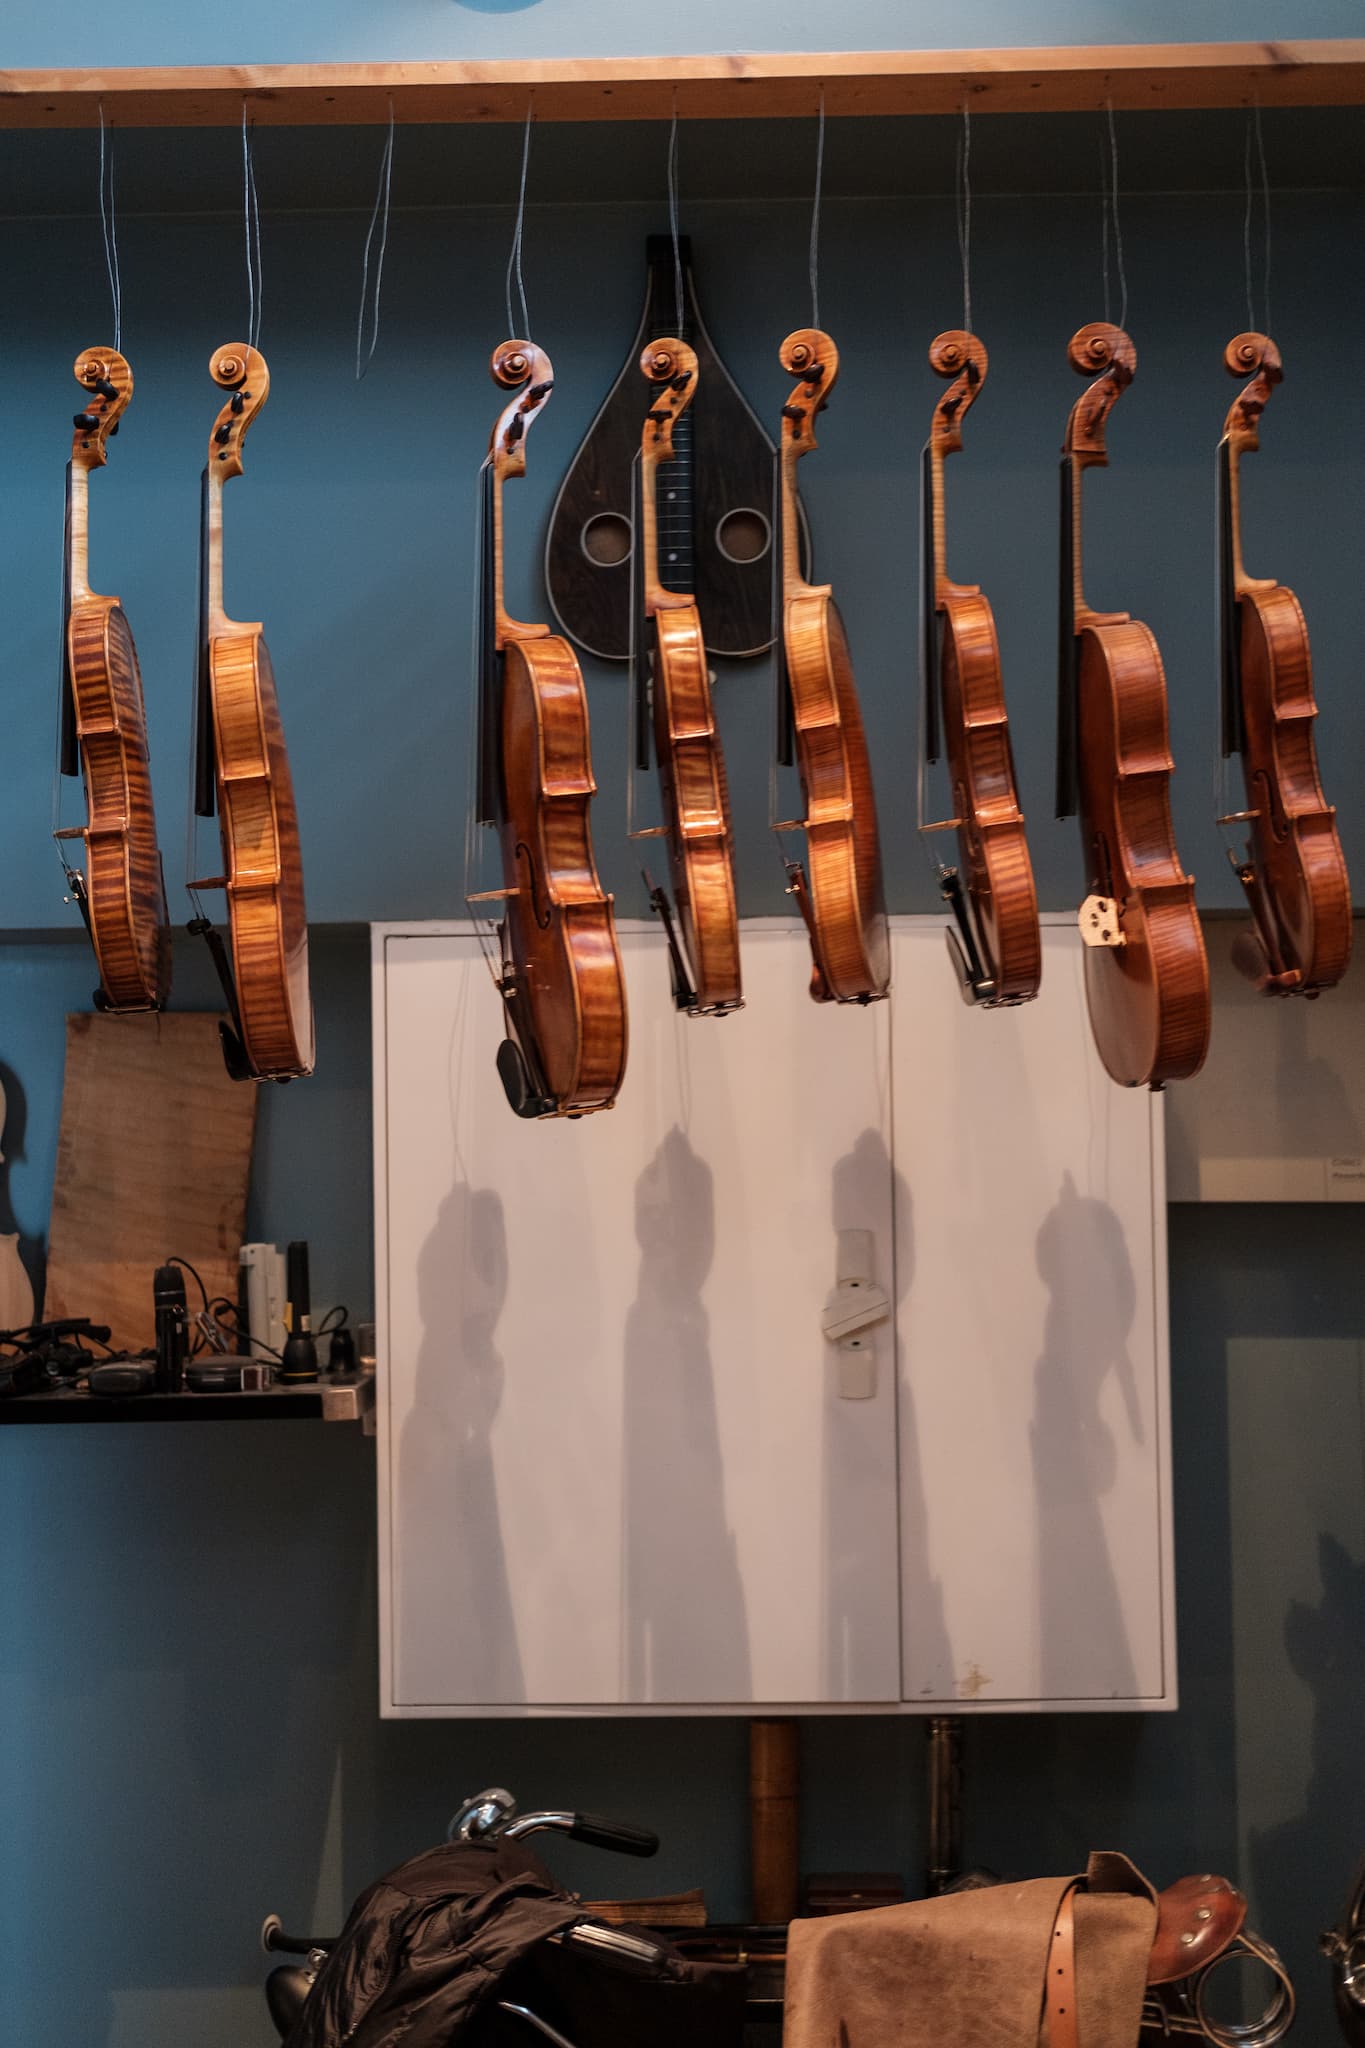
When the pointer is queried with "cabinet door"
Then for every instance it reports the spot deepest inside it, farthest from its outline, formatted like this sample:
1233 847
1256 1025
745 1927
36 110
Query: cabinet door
616 1467
1030 1231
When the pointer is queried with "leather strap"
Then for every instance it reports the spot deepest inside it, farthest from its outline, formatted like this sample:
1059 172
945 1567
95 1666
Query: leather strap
1061 2022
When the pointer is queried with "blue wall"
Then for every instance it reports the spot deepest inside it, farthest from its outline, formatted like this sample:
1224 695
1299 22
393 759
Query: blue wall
187 1639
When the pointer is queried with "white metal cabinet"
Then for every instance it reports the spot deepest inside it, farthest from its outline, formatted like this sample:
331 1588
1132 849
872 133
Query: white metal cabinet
616 1474
615 1469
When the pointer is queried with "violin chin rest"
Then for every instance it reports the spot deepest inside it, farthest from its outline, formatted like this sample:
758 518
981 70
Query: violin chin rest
518 1086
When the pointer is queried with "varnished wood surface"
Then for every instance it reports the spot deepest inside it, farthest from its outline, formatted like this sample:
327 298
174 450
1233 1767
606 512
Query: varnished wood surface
840 889
153 1157
257 818
991 836
126 902
1299 884
694 794
1323 72
1149 997
565 986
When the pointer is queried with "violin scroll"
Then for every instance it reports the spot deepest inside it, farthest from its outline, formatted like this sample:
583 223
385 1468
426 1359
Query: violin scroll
672 365
1255 357
1104 352
810 355
241 370
522 367
961 357
107 380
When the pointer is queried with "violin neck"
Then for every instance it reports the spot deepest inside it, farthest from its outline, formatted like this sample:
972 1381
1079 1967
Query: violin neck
1080 610
215 618
793 582
78 532
656 592
938 521
494 567
1232 722
68 738
1241 582
205 764
487 681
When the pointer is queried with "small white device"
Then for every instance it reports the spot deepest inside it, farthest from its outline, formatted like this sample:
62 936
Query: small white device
263 1295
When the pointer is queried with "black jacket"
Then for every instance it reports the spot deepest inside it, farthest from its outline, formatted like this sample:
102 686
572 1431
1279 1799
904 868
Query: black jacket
425 1948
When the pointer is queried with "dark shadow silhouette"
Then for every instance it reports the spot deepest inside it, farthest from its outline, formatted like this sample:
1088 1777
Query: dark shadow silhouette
1301 1869
1322 1121
1083 1258
460 1573
860 1178
31 1252
686 1624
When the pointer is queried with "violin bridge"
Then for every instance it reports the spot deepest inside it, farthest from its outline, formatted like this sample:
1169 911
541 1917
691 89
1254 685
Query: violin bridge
70 832
212 882
1238 817
943 825
649 832
1098 918
491 895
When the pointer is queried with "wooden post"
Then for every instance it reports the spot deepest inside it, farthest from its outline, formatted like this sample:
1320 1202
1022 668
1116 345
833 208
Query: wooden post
774 1819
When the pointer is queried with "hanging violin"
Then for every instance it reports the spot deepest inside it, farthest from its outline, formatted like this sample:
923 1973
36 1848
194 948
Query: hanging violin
673 694
838 890
561 979
1146 972
1294 873
995 942
104 732
242 773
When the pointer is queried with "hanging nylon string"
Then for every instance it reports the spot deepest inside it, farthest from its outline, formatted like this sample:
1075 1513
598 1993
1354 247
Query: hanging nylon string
964 214
514 256
381 197
815 216
109 226
673 218
1110 179
1254 127
251 221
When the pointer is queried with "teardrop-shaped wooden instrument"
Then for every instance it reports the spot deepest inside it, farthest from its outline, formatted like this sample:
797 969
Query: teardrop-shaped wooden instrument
693 791
1295 872
839 887
561 981
995 941
104 732
242 772
1146 971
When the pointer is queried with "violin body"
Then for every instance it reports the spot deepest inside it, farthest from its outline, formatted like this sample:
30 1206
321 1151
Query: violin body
1148 997
123 897
562 983
839 889
1146 970
694 794
253 789
1000 954
1296 877
262 857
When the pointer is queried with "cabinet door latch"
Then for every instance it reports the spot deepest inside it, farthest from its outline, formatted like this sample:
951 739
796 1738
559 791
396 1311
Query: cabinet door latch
853 1309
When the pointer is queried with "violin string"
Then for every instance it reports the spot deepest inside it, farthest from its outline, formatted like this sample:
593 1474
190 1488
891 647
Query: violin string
815 215
251 219
109 227
514 258
1114 207
964 214
673 217
382 195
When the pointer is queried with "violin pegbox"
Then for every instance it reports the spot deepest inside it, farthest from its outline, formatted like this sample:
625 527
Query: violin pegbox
521 367
671 366
962 357
104 376
810 355
1255 357
1104 352
242 371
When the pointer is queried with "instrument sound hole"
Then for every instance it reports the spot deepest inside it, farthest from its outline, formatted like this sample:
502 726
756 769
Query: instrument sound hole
744 535
606 540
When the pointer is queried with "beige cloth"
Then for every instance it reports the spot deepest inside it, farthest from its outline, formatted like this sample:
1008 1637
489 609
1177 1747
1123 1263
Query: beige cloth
967 1971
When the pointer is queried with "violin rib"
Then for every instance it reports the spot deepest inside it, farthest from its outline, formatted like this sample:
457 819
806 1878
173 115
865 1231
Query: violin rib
1295 878
1147 986
562 983
840 888
257 818
694 793
1001 896
125 901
